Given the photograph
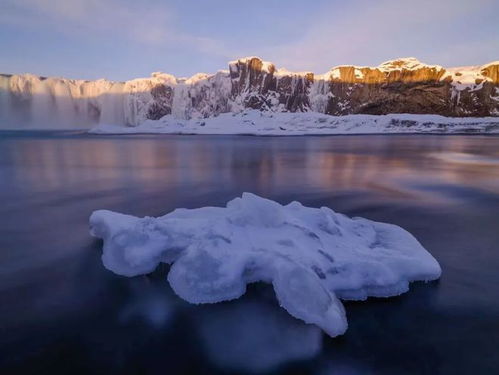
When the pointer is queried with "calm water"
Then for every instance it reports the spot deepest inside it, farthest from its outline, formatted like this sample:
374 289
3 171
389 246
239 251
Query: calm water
62 312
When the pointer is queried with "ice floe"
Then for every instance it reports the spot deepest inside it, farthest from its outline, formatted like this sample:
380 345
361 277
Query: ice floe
312 256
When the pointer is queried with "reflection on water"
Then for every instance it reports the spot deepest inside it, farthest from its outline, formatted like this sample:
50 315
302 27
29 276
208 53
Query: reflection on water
255 336
318 164
149 303
59 302
464 158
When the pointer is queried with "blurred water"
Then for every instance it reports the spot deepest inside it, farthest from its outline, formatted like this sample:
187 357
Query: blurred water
62 312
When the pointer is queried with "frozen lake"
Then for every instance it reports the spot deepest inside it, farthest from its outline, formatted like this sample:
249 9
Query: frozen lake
62 312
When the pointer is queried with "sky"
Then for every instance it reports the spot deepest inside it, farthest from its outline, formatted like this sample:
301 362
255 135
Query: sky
125 39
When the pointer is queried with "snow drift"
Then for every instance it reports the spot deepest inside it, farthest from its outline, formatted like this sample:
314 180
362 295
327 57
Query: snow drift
312 257
255 122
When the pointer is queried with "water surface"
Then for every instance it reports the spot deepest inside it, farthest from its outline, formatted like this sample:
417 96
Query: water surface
62 312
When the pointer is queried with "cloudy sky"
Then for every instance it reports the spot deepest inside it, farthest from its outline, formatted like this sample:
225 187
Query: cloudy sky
123 39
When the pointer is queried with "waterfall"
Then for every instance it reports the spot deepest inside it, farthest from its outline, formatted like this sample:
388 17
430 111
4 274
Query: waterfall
28 101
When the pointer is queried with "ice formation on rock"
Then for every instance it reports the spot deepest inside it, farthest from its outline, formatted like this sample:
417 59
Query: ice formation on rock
397 86
311 256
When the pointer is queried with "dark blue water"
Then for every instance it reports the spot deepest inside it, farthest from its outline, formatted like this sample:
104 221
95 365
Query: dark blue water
61 312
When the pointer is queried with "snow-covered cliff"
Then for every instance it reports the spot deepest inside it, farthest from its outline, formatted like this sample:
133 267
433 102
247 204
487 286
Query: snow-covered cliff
396 86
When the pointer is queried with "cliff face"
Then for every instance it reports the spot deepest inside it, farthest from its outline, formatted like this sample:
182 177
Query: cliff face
258 85
394 87
398 86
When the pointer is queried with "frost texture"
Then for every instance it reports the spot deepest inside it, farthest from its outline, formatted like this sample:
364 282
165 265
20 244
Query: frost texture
311 256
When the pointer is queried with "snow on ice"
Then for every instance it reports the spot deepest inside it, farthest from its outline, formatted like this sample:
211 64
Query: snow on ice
312 256
255 122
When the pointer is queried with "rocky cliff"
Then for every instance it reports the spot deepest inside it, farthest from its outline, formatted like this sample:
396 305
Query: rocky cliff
397 86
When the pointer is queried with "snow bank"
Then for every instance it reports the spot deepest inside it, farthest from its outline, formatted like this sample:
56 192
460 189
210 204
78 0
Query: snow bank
311 256
255 122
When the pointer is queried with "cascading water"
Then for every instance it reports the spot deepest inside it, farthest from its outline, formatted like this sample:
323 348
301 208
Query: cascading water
4 97
28 101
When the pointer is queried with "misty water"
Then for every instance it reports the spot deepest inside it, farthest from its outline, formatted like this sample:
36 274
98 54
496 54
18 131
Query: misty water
62 312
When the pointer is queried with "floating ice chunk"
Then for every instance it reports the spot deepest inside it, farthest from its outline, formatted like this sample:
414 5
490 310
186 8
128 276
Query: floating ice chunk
311 256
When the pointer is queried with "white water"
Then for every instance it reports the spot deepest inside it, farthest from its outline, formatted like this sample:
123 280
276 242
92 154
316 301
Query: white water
28 101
